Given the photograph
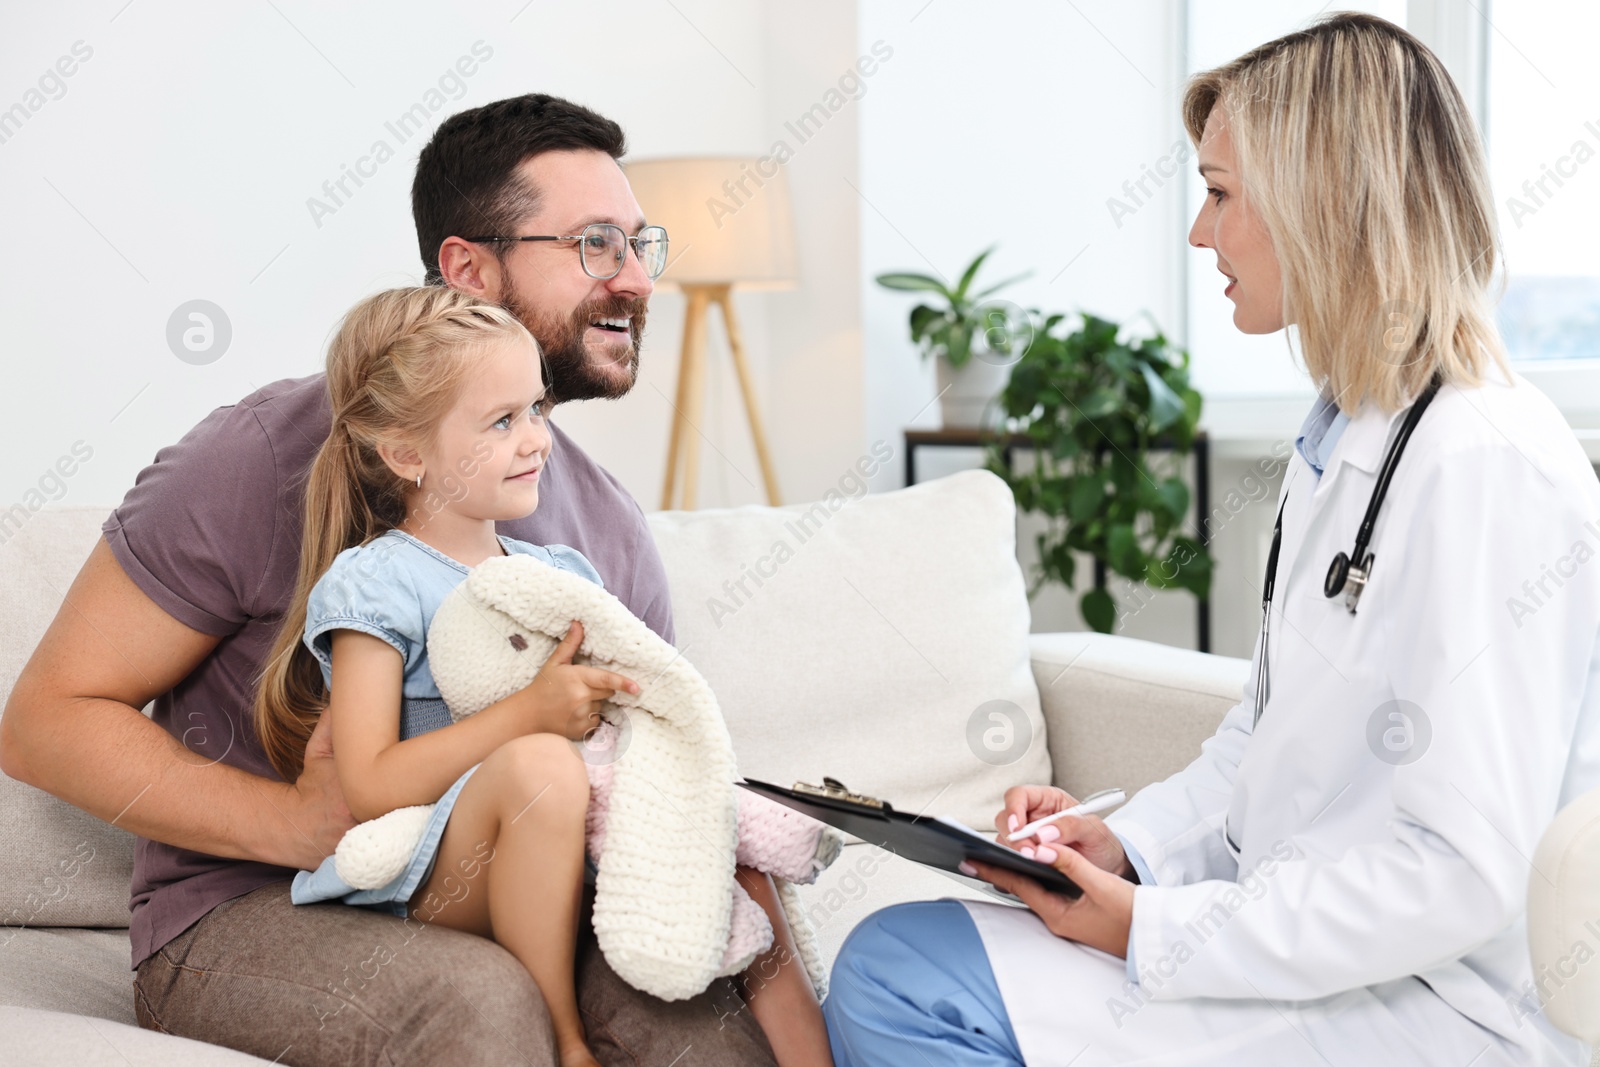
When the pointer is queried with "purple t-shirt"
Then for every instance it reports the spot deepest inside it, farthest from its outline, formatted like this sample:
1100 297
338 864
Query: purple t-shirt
211 532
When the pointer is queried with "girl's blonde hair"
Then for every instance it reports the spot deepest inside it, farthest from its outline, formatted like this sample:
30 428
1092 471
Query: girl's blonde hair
394 370
1361 159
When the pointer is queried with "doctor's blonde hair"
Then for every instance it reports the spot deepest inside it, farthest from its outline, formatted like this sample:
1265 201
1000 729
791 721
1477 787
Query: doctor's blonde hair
1361 159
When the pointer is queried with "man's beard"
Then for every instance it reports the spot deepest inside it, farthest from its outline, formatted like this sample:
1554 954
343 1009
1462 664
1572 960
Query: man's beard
578 371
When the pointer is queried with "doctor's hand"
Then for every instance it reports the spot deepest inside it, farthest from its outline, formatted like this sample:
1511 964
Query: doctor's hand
1101 918
1088 834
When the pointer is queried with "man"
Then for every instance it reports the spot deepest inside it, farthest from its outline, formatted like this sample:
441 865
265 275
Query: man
181 600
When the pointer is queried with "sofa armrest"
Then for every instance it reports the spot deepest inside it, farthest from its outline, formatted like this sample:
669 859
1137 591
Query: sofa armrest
1120 712
1563 900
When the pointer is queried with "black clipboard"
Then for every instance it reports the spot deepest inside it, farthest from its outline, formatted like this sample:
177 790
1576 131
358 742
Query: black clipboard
917 838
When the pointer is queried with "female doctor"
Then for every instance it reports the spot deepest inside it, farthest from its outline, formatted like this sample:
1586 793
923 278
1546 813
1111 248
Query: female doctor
1341 878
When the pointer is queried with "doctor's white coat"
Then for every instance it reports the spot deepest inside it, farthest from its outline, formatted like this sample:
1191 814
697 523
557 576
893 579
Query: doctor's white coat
1346 883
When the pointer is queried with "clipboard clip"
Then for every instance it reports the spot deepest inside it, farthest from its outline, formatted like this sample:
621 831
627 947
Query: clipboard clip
835 790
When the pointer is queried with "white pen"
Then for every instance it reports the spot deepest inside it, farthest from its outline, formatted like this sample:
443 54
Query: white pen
1097 803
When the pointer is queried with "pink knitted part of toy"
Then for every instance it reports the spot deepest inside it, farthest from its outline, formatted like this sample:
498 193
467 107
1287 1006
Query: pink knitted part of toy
772 838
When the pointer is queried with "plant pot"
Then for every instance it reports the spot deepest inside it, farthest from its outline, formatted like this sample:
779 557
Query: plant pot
966 396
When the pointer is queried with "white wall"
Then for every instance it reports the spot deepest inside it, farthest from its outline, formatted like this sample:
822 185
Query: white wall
178 161
1013 128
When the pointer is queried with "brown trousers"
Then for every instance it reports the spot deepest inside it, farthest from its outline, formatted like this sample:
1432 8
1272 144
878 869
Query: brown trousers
332 983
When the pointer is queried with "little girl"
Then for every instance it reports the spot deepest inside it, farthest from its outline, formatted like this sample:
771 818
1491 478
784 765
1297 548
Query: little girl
438 431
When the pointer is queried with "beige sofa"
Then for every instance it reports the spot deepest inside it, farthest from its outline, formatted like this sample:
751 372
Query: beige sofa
881 640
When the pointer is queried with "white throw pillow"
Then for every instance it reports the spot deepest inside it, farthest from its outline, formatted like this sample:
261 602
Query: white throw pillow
878 639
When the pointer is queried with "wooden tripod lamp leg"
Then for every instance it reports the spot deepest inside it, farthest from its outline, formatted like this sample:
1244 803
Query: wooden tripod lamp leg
694 403
674 438
768 475
684 443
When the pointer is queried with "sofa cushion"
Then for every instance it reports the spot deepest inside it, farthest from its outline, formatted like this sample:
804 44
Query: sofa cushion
84 972
62 866
1122 713
48 1038
881 640
1564 920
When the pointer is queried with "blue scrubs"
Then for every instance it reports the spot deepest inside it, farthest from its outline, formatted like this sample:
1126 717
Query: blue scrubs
914 978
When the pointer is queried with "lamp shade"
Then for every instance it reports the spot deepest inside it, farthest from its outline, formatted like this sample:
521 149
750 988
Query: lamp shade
728 218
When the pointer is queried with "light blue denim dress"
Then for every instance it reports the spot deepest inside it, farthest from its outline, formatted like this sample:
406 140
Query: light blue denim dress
390 588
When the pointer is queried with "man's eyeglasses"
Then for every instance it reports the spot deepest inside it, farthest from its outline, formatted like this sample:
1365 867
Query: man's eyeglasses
604 248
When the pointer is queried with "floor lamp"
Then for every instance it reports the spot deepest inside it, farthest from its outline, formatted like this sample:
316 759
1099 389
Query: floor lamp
729 223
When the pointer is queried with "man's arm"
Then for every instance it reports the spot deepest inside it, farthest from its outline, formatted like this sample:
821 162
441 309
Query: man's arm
73 727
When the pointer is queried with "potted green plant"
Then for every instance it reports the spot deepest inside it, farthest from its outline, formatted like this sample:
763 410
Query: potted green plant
1093 402
974 340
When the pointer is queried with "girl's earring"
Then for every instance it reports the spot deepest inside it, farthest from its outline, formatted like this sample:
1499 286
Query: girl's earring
419 481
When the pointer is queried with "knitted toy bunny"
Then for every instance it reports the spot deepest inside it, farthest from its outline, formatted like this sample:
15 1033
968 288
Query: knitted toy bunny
772 838
666 824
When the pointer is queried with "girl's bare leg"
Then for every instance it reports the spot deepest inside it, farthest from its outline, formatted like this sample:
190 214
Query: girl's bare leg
510 867
779 990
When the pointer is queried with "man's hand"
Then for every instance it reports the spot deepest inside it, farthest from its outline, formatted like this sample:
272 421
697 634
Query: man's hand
323 816
72 727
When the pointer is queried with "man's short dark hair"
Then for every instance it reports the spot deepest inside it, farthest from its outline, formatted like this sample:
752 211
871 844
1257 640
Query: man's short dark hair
467 180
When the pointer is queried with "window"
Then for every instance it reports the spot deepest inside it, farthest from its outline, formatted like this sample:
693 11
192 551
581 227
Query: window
1543 131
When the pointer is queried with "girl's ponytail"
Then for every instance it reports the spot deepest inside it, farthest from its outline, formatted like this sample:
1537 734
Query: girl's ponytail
394 369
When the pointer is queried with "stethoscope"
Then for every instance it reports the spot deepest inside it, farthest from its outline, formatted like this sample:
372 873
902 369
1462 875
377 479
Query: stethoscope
1348 574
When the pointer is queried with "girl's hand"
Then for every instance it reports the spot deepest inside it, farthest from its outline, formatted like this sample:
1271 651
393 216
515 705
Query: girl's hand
564 697
1086 834
1101 918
